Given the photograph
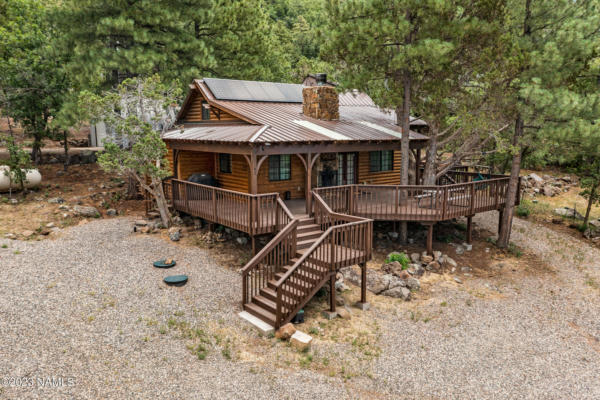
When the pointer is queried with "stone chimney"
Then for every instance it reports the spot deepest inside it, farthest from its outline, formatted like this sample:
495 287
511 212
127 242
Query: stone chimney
321 102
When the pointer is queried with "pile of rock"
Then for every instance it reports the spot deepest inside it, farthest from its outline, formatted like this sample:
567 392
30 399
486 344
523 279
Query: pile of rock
547 185
394 280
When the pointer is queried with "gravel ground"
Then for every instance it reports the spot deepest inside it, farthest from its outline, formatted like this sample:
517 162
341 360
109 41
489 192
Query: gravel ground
88 305
539 340
81 306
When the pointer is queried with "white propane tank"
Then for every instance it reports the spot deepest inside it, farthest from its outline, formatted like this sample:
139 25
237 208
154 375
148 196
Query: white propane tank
32 176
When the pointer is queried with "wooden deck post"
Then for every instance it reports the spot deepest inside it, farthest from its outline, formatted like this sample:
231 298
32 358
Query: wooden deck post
500 217
469 229
332 292
363 283
430 239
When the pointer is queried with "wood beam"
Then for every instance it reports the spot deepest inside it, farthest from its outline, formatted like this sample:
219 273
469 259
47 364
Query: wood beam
418 167
211 148
303 148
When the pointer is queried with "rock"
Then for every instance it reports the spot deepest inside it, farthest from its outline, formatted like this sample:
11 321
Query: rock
467 246
56 200
63 208
403 275
392 268
157 225
111 211
399 292
393 235
436 255
535 178
377 283
14 201
242 240
27 233
419 270
175 234
415 258
394 281
460 250
50 225
567 212
86 211
457 280
556 221
339 301
549 191
380 235
343 313
341 286
141 222
301 341
177 220
413 283
144 229
450 262
433 266
465 269
285 332
10 236
411 241
426 259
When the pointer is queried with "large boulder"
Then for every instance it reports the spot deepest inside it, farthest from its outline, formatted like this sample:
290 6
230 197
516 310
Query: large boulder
568 212
175 234
86 211
399 292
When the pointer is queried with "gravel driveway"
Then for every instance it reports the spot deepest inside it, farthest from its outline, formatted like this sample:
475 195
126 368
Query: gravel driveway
84 306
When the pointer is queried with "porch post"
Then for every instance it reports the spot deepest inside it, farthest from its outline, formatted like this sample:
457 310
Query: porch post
253 174
469 229
417 167
308 169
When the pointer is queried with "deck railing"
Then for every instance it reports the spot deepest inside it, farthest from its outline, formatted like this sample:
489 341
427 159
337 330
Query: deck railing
418 203
254 214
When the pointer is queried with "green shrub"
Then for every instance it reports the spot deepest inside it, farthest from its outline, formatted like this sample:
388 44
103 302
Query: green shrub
523 211
402 258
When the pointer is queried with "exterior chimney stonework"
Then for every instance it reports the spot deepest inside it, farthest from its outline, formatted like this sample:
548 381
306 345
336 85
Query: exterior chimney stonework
321 102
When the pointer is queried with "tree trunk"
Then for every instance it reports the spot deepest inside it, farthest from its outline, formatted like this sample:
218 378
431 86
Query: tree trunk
586 220
161 202
66 148
405 142
513 187
36 150
429 173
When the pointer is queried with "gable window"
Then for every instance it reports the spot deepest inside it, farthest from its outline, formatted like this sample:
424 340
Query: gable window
381 160
205 111
280 168
225 163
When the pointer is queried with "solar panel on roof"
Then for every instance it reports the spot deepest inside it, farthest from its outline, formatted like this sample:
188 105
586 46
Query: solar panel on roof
229 89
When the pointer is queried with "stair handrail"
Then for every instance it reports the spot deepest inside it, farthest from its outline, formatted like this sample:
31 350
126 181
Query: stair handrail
352 221
290 229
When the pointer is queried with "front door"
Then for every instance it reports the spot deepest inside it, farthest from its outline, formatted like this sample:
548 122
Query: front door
347 172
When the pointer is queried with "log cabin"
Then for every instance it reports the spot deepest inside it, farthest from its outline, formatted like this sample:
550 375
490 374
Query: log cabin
315 168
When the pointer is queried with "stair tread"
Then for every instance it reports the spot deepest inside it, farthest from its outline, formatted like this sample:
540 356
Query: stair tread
302 235
268 302
254 308
311 227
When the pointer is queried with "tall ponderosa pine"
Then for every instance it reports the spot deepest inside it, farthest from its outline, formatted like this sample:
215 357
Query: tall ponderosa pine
178 39
402 51
551 46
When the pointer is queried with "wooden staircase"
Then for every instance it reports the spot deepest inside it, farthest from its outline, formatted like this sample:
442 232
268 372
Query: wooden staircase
306 253
264 304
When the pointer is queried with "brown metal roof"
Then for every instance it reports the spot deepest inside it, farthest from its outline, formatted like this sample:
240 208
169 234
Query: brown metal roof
273 122
219 133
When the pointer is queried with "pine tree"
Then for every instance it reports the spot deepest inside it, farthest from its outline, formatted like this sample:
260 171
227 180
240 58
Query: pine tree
178 39
405 53
551 54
